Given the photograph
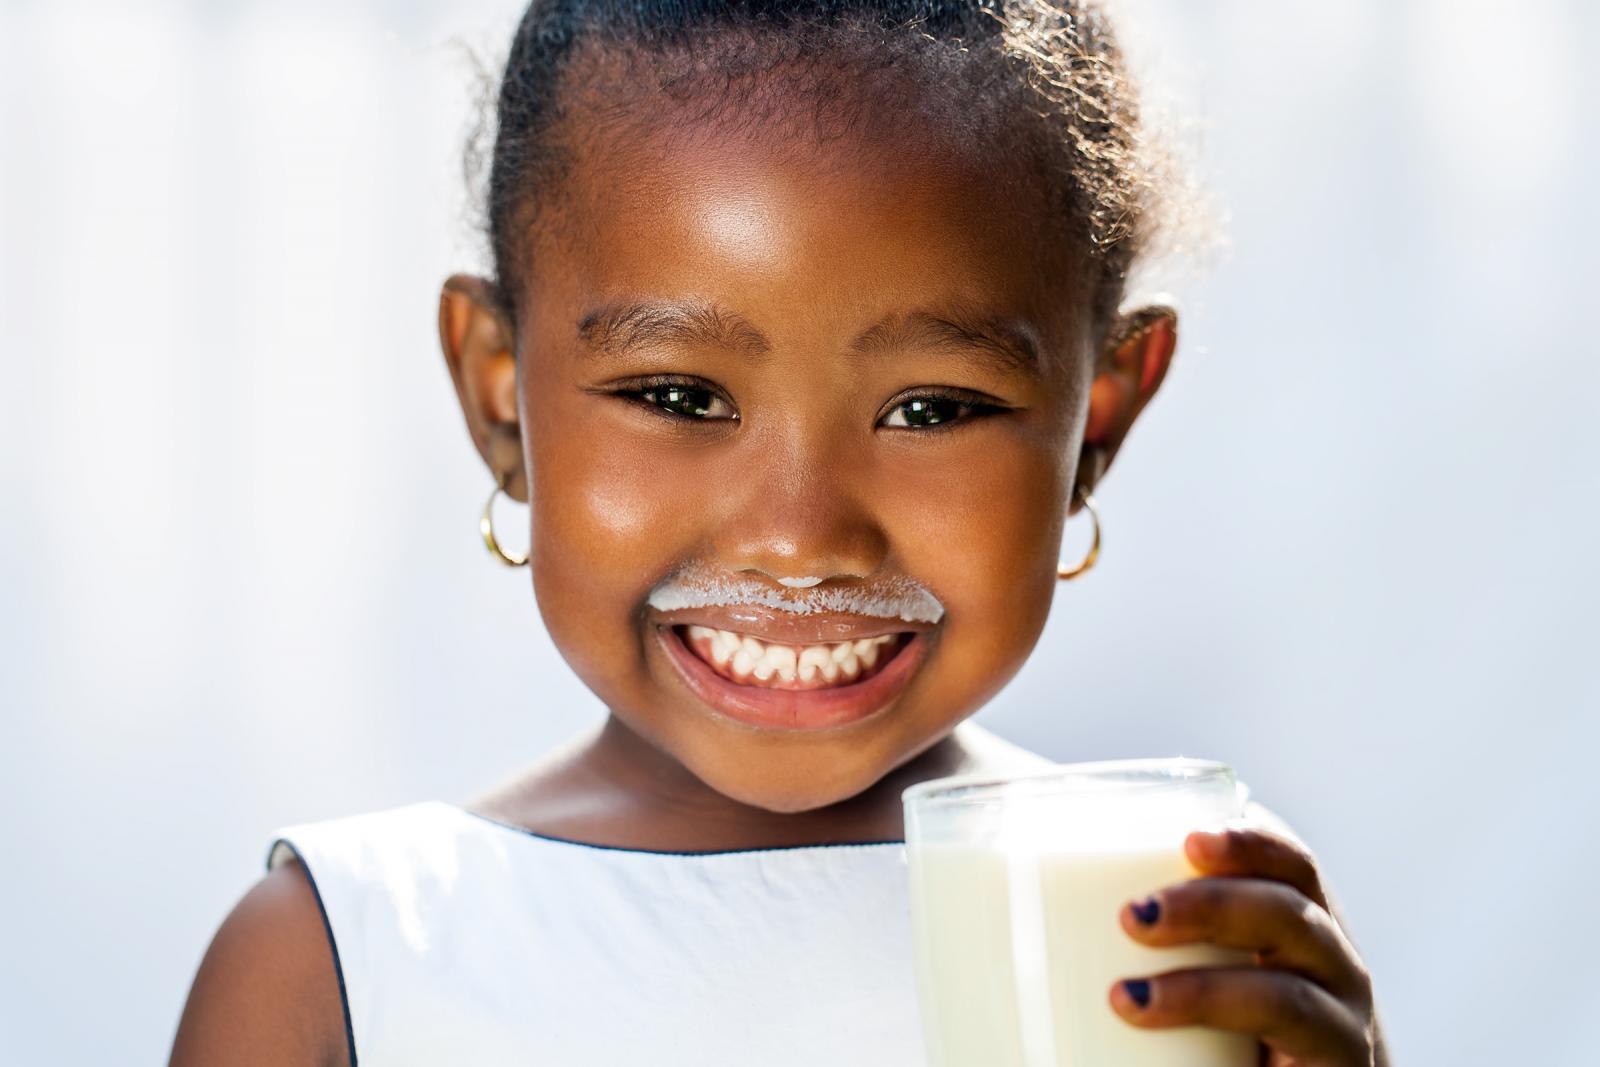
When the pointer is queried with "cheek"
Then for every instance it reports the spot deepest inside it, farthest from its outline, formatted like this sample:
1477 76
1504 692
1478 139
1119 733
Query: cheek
607 523
990 507
617 501
983 533
606 503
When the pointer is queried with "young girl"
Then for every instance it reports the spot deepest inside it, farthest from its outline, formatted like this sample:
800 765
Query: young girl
803 343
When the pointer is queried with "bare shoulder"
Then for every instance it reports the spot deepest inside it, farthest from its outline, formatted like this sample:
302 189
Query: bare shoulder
267 991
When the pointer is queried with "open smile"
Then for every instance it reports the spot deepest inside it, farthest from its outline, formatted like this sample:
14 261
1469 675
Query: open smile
746 660
793 686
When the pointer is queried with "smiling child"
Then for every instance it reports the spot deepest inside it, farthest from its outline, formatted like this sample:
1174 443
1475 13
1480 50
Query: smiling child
805 339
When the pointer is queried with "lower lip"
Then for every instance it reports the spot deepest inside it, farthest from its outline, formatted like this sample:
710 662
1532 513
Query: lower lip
795 709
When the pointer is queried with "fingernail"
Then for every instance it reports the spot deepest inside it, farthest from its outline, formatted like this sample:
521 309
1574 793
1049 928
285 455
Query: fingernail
1138 990
1210 844
1147 911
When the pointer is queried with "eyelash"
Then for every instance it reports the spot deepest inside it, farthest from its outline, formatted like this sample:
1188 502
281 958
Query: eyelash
636 392
974 408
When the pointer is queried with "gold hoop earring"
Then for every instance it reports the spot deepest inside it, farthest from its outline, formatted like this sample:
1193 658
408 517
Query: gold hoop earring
1094 549
486 527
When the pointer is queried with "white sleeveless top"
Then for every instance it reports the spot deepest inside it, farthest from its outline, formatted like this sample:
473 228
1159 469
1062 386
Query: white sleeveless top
461 940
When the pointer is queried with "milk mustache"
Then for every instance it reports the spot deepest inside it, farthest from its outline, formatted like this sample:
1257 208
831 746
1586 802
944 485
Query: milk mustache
1016 890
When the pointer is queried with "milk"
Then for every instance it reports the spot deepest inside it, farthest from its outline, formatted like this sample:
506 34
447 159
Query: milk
1017 954
1016 890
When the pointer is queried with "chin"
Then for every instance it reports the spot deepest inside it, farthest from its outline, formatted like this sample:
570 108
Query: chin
759 786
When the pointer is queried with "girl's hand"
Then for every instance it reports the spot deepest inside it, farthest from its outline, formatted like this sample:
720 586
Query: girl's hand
1308 999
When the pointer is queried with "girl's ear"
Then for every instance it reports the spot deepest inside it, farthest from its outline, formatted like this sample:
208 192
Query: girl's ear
1128 372
480 351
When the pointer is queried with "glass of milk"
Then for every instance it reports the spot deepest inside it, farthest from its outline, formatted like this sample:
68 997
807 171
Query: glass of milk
1016 885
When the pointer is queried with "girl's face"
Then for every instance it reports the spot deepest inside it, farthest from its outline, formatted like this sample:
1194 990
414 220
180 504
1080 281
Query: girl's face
860 364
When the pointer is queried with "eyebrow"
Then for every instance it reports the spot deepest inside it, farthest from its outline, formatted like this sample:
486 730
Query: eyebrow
616 329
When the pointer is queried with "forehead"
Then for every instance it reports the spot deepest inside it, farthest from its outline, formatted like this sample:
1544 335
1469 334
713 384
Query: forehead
811 237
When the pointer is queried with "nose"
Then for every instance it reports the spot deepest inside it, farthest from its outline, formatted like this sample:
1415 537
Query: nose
801 507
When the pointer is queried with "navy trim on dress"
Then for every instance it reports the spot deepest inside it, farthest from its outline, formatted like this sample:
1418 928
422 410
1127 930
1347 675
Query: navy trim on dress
338 969
662 852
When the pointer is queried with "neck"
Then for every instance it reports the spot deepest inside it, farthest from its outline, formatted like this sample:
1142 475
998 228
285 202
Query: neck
662 791
612 786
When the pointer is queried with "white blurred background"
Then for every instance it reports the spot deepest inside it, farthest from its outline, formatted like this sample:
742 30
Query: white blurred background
1351 549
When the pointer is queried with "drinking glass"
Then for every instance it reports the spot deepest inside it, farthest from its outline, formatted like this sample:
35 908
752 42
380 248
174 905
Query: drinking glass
1016 884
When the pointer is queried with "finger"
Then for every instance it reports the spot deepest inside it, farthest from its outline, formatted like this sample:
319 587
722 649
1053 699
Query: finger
1291 1014
1257 854
1274 920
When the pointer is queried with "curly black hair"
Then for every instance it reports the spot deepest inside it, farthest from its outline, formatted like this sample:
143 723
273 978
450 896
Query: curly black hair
1050 77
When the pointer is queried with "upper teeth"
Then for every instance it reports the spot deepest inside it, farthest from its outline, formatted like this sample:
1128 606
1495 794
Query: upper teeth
748 656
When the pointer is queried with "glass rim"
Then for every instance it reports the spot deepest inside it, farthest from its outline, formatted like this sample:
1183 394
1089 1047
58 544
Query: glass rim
978 786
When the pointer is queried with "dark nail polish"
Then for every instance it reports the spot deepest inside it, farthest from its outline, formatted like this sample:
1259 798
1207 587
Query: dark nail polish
1147 911
1138 991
